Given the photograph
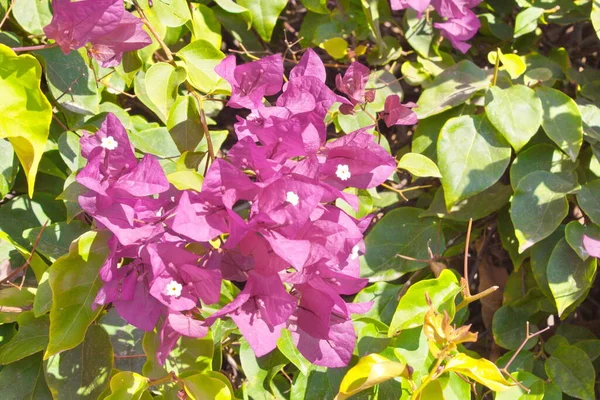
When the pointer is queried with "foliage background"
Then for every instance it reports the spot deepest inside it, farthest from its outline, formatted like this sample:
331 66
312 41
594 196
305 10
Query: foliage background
510 131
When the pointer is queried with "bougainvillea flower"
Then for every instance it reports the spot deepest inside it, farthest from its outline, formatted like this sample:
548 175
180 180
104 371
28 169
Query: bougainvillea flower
354 82
417 5
592 246
396 113
459 30
356 160
104 23
260 311
146 179
251 82
454 8
310 65
129 35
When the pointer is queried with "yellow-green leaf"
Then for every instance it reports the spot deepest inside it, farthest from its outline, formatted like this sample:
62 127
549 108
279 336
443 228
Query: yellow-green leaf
370 371
26 112
336 47
482 371
127 385
186 180
203 386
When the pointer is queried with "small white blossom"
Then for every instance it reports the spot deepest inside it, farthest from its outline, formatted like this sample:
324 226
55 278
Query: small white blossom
109 143
343 172
173 289
354 254
292 198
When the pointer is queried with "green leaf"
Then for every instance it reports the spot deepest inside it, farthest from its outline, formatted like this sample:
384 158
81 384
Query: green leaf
205 25
162 82
401 231
264 15
451 88
336 47
33 16
186 180
14 297
9 166
203 386
534 384
184 124
428 130
126 340
538 207
24 379
171 13
56 238
516 112
317 6
155 141
37 264
127 385
385 300
472 156
569 277
75 281
595 16
201 58
70 80
260 371
419 32
571 369
454 387
574 232
481 205
286 345
370 371
589 200
32 337
26 113
232 7
419 165
527 21
561 120
540 255
481 370
540 157
43 296
506 231
510 330
84 371
413 306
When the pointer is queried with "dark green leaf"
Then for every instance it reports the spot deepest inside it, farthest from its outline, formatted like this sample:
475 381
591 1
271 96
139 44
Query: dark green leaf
571 369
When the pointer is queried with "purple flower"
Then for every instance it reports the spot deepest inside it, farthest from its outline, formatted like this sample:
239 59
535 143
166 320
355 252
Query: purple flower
252 81
310 65
592 246
353 84
417 5
454 8
104 23
396 113
459 30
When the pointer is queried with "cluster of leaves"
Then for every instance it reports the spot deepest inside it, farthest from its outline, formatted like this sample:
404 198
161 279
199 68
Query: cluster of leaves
488 220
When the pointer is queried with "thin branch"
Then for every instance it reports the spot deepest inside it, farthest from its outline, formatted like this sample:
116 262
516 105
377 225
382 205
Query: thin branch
26 264
12 4
33 48
466 261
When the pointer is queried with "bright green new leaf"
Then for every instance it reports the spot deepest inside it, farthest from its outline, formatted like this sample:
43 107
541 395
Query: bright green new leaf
534 385
264 15
33 16
595 16
571 369
171 13
419 165
480 370
385 300
26 113
24 379
538 207
127 385
561 120
233 8
419 33
336 47
286 345
451 88
400 232
75 281
516 112
84 371
203 386
540 157
370 371
589 200
162 82
206 26
413 306
186 180
472 156
527 21
32 337
317 6
201 57
569 277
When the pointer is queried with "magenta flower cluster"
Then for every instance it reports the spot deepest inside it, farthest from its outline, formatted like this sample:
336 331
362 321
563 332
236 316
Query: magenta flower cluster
460 24
105 24
295 253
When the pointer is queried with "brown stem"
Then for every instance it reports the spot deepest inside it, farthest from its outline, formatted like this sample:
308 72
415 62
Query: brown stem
33 48
26 264
161 42
467 290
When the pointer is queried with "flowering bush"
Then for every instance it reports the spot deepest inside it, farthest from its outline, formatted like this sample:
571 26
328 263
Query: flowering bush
312 199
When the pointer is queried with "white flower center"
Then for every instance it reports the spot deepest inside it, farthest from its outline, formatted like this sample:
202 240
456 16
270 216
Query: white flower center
292 198
343 172
354 254
173 289
109 143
